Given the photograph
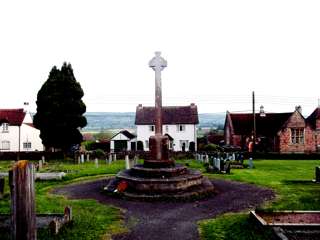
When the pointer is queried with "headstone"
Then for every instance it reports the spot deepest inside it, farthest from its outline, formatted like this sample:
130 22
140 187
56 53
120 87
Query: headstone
43 159
110 158
221 165
88 157
114 157
318 174
21 179
96 162
50 176
135 160
127 162
2 182
40 164
218 164
227 167
206 158
233 156
82 158
250 163
79 160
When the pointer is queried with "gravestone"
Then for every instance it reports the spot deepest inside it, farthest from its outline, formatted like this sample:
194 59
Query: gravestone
127 162
135 160
110 159
318 174
40 164
250 163
43 159
82 158
206 158
96 162
2 182
21 179
114 157
88 157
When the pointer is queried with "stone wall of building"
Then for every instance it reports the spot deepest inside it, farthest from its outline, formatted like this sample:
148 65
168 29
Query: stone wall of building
285 142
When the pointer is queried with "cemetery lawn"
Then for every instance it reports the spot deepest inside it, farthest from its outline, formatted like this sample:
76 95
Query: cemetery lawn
92 220
291 181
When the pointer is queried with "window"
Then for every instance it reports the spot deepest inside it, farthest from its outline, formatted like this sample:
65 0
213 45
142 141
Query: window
167 128
5 127
147 143
27 145
181 128
151 128
297 135
5 145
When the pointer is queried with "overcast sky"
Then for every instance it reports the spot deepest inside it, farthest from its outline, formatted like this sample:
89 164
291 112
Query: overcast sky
218 52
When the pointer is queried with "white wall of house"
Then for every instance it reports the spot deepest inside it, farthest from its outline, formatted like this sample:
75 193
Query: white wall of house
121 136
187 135
29 137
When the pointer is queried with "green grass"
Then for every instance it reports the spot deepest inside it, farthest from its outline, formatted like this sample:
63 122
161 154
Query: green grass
233 227
92 220
291 181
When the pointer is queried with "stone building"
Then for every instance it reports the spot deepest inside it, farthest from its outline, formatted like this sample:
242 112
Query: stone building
275 132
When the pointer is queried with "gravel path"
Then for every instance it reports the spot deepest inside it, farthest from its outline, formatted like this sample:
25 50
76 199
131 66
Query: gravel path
172 221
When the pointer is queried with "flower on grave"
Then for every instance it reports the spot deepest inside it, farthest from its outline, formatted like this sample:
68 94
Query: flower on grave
122 186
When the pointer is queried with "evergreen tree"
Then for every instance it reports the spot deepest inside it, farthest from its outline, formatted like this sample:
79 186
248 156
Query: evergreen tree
60 109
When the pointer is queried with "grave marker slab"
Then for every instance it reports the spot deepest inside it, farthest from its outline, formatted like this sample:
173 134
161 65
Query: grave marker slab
21 179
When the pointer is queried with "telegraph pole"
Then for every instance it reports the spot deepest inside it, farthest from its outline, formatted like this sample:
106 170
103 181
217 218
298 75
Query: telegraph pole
254 118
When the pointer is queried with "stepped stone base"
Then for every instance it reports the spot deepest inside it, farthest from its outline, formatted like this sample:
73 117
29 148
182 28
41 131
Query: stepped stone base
177 183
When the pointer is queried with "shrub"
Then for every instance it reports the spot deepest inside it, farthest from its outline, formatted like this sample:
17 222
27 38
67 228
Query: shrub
211 147
99 153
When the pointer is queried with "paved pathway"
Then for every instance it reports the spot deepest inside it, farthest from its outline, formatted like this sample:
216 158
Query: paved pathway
172 221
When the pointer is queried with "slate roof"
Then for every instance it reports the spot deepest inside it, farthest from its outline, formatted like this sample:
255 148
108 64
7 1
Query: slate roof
12 116
170 115
126 133
313 117
266 126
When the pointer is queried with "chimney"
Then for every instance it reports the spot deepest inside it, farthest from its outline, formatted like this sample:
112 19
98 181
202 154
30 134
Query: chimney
262 113
192 105
299 109
139 106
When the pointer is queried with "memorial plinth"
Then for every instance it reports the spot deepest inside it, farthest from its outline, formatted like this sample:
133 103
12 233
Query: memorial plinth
159 178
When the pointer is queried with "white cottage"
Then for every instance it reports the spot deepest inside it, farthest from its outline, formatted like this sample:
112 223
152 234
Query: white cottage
179 124
17 132
123 141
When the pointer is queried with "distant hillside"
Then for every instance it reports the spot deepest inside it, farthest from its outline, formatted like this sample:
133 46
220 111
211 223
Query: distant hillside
98 121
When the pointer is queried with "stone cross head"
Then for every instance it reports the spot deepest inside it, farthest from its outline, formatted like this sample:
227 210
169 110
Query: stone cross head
157 63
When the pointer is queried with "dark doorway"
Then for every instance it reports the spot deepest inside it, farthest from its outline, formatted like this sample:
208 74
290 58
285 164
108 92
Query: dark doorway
140 146
120 145
192 147
133 146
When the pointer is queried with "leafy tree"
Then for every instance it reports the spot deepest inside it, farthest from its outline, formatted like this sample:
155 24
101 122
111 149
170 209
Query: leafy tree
60 109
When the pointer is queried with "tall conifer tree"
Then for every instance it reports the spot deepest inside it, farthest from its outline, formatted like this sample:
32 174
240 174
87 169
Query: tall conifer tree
60 109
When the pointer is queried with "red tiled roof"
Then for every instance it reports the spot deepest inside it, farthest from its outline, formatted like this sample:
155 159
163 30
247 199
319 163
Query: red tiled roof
266 126
12 116
313 117
170 115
